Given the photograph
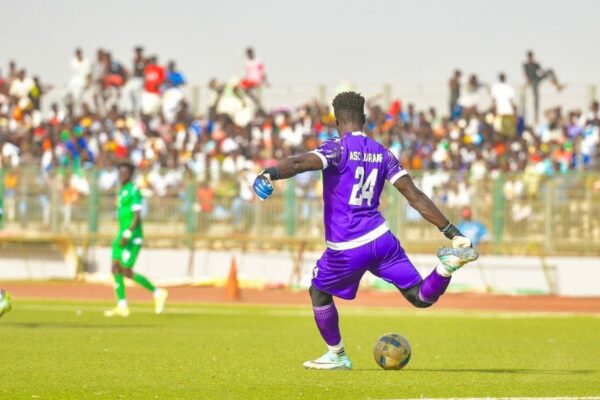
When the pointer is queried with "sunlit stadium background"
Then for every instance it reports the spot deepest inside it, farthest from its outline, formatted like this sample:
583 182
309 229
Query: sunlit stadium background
68 212
201 96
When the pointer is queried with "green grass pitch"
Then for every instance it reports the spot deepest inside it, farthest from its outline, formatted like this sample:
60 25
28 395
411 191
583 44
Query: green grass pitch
67 350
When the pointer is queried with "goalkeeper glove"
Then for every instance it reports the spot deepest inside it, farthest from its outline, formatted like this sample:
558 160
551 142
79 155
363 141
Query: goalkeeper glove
458 239
262 184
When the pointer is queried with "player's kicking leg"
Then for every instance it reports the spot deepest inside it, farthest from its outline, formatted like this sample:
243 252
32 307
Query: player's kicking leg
451 259
397 269
428 291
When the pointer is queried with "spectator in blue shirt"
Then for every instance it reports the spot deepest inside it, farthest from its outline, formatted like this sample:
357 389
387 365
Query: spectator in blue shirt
174 77
474 230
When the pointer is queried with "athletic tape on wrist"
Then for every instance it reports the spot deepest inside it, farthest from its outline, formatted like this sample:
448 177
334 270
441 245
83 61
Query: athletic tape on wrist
450 231
273 173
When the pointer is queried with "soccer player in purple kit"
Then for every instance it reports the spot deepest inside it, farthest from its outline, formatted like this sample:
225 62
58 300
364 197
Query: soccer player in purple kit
357 236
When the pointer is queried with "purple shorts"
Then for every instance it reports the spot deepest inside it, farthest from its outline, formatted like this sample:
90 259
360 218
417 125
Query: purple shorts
338 272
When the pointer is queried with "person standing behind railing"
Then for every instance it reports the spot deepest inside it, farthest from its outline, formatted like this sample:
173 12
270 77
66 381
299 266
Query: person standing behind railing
154 77
469 99
132 91
535 75
474 230
98 70
35 95
115 78
241 211
12 73
454 87
174 76
503 96
80 66
589 149
205 196
19 90
255 77
70 198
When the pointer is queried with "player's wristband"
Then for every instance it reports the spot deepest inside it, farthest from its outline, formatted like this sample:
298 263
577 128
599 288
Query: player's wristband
273 173
127 233
450 231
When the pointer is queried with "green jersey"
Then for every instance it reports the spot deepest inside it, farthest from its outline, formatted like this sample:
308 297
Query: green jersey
129 202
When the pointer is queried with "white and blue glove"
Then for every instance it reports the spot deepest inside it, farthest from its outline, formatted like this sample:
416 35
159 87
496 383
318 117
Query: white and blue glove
458 239
262 184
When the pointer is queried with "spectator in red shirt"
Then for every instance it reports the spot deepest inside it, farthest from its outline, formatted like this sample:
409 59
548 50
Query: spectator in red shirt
255 71
154 76
255 75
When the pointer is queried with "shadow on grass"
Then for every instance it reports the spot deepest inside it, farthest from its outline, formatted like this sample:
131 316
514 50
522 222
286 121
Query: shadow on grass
68 325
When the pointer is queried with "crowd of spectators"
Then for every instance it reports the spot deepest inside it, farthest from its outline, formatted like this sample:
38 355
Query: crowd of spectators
109 114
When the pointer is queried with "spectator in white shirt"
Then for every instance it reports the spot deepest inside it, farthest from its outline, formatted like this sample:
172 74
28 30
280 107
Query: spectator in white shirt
503 96
98 70
470 97
80 67
171 102
9 154
20 88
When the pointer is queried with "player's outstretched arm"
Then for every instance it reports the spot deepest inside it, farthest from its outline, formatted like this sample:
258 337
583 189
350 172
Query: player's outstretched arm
423 204
285 169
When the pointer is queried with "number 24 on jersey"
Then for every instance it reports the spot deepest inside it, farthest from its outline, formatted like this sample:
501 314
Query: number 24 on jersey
363 188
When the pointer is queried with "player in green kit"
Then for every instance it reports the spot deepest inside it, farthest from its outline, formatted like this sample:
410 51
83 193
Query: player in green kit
128 243
5 304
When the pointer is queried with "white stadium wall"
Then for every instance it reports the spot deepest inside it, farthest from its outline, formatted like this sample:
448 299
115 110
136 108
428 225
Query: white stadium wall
568 276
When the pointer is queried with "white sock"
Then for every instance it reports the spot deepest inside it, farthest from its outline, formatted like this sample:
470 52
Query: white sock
443 270
338 349
122 303
156 292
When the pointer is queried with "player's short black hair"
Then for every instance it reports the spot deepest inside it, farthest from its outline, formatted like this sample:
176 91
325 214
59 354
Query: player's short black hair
349 107
130 167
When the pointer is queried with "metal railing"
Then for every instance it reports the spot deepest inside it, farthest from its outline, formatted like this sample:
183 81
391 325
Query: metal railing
524 213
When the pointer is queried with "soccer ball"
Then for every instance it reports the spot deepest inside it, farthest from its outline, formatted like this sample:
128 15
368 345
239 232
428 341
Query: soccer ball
5 304
392 351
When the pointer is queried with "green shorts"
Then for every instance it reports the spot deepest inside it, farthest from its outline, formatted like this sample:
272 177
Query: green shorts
128 254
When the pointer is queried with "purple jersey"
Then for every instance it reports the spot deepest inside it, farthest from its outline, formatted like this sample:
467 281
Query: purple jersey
354 171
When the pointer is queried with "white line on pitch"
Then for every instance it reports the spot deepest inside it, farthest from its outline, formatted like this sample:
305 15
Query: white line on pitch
502 398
